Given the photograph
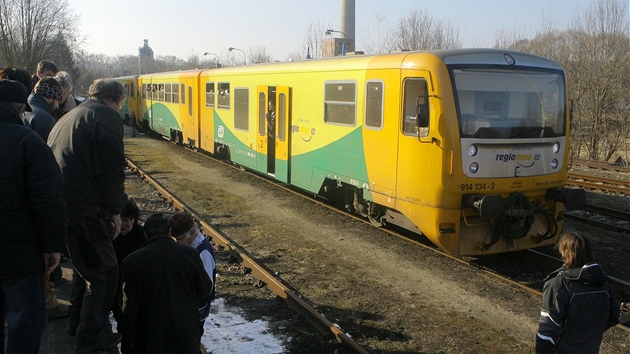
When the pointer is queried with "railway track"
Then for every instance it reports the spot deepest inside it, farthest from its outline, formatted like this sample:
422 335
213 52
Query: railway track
606 218
326 326
599 183
599 165
275 285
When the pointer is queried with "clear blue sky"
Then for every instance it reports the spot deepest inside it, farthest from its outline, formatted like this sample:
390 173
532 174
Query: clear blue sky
186 27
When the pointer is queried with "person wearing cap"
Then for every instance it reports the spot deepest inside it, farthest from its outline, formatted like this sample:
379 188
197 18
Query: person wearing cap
88 146
33 224
163 283
44 100
186 231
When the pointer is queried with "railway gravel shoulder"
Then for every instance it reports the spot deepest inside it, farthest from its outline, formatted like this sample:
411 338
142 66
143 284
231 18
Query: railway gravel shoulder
389 295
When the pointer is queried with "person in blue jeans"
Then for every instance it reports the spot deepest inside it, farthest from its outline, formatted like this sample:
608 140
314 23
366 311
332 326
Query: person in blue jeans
33 224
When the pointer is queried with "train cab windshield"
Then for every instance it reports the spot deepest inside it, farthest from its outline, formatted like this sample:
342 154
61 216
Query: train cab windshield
514 104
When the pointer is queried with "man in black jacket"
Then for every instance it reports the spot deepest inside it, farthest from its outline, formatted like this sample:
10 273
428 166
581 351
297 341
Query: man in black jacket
163 283
33 224
88 145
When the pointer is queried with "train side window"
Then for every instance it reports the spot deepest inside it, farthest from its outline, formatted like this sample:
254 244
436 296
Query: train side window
133 90
175 93
209 94
241 109
374 105
340 103
415 98
144 91
262 110
183 90
281 112
223 100
169 93
161 95
190 101
154 92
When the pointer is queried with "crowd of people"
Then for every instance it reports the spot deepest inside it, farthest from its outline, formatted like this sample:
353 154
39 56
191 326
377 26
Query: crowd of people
63 195
63 192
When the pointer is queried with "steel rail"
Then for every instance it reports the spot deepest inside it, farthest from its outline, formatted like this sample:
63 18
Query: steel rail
599 183
316 319
598 165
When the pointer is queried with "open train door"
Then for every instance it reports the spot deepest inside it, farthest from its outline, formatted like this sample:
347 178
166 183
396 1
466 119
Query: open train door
272 138
283 122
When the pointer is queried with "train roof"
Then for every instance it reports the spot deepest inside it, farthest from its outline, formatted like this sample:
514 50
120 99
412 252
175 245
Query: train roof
481 56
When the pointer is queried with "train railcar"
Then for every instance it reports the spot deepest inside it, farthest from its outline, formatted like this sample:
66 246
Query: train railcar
131 102
468 147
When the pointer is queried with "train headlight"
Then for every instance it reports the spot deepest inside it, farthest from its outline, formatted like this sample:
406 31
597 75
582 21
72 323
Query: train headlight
554 163
472 150
474 167
556 147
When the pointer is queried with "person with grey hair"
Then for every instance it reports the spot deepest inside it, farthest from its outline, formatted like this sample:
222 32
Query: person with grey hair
88 145
68 101
33 224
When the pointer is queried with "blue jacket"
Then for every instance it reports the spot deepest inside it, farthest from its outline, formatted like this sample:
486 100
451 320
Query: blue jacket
578 306
40 119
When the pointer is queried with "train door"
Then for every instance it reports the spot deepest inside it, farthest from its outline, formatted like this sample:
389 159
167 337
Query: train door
190 124
273 131
283 120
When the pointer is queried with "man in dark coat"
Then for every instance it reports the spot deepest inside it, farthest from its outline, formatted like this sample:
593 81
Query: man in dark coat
163 283
44 100
88 145
33 224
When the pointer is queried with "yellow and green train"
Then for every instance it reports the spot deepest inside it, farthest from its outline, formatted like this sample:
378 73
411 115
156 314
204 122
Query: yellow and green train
468 147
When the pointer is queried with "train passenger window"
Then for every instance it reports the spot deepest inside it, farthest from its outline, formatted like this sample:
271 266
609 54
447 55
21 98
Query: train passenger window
241 109
340 103
175 93
168 93
161 95
183 91
262 110
209 94
281 113
374 105
132 88
144 91
190 101
415 95
154 92
223 99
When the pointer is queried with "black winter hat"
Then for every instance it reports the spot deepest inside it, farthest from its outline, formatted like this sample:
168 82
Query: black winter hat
13 91
181 223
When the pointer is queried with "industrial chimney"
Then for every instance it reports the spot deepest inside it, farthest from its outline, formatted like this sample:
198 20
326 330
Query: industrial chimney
347 23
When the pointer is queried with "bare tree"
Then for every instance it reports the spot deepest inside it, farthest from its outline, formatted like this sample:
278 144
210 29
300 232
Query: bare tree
32 30
258 55
420 31
594 52
312 42
598 67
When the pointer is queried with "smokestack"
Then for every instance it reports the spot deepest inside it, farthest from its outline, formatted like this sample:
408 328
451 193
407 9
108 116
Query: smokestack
347 21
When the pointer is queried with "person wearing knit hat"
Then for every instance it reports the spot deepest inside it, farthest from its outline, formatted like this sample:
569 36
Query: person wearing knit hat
13 91
44 100
33 223
185 231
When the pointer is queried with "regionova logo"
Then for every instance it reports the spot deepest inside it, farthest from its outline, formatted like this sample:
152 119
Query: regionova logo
522 156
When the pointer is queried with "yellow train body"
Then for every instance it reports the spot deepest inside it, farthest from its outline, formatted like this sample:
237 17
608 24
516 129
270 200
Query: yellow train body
468 147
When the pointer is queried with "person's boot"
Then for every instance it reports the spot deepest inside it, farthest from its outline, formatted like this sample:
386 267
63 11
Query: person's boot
84 345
